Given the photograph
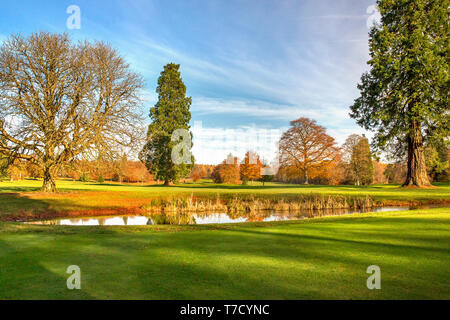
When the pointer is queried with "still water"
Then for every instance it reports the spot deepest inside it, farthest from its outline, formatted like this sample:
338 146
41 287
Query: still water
201 218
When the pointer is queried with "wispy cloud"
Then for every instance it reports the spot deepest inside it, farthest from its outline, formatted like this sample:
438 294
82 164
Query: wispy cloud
243 64
265 110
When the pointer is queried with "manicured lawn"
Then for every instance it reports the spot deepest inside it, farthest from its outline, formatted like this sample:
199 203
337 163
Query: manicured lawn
24 196
323 258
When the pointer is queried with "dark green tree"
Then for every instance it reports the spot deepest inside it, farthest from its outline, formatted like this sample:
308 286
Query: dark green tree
266 178
361 163
167 152
404 96
437 159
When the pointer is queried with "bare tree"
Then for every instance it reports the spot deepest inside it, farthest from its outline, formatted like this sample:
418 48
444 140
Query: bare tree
60 101
306 145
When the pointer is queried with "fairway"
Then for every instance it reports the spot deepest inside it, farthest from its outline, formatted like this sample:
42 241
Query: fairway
323 258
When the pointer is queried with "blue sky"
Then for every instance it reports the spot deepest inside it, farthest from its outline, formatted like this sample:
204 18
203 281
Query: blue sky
250 66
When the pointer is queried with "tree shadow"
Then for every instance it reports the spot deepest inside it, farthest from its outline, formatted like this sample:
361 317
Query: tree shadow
24 276
375 244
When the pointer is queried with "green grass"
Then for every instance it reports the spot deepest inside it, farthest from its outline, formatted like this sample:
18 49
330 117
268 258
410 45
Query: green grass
24 196
206 187
324 258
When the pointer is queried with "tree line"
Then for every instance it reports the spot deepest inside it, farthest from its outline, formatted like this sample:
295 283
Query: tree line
309 155
121 171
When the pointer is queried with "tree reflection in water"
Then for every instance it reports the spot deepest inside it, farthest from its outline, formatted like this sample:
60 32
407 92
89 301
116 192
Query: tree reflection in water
205 218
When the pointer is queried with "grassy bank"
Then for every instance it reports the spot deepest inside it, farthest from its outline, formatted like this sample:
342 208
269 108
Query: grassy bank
324 258
22 200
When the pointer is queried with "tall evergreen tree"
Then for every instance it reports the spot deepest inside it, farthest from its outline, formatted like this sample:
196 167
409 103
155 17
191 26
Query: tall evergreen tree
171 113
361 163
404 97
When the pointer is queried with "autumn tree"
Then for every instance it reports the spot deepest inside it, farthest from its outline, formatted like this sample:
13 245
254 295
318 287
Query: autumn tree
137 172
378 172
306 146
404 96
121 168
227 171
170 119
196 176
395 172
17 170
199 171
250 168
32 171
60 101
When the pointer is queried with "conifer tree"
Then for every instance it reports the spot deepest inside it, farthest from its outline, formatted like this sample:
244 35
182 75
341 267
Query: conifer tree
171 113
404 97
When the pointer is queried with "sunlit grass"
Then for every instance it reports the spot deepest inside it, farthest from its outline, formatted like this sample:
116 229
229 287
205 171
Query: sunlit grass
324 258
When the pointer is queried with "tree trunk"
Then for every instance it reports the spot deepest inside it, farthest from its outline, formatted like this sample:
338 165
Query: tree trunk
166 182
417 170
49 183
306 177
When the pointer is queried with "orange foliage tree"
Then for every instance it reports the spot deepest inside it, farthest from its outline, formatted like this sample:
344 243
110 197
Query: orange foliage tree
227 171
378 172
201 171
250 168
306 147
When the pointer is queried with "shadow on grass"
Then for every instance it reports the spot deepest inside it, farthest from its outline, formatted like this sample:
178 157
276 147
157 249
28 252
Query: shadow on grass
13 203
375 244
239 263
24 276
24 207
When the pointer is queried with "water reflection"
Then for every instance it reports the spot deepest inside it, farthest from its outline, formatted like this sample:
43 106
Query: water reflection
201 218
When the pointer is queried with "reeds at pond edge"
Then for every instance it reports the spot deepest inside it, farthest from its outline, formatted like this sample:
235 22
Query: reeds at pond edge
251 203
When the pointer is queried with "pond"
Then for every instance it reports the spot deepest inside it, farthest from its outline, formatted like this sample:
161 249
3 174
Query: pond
202 218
